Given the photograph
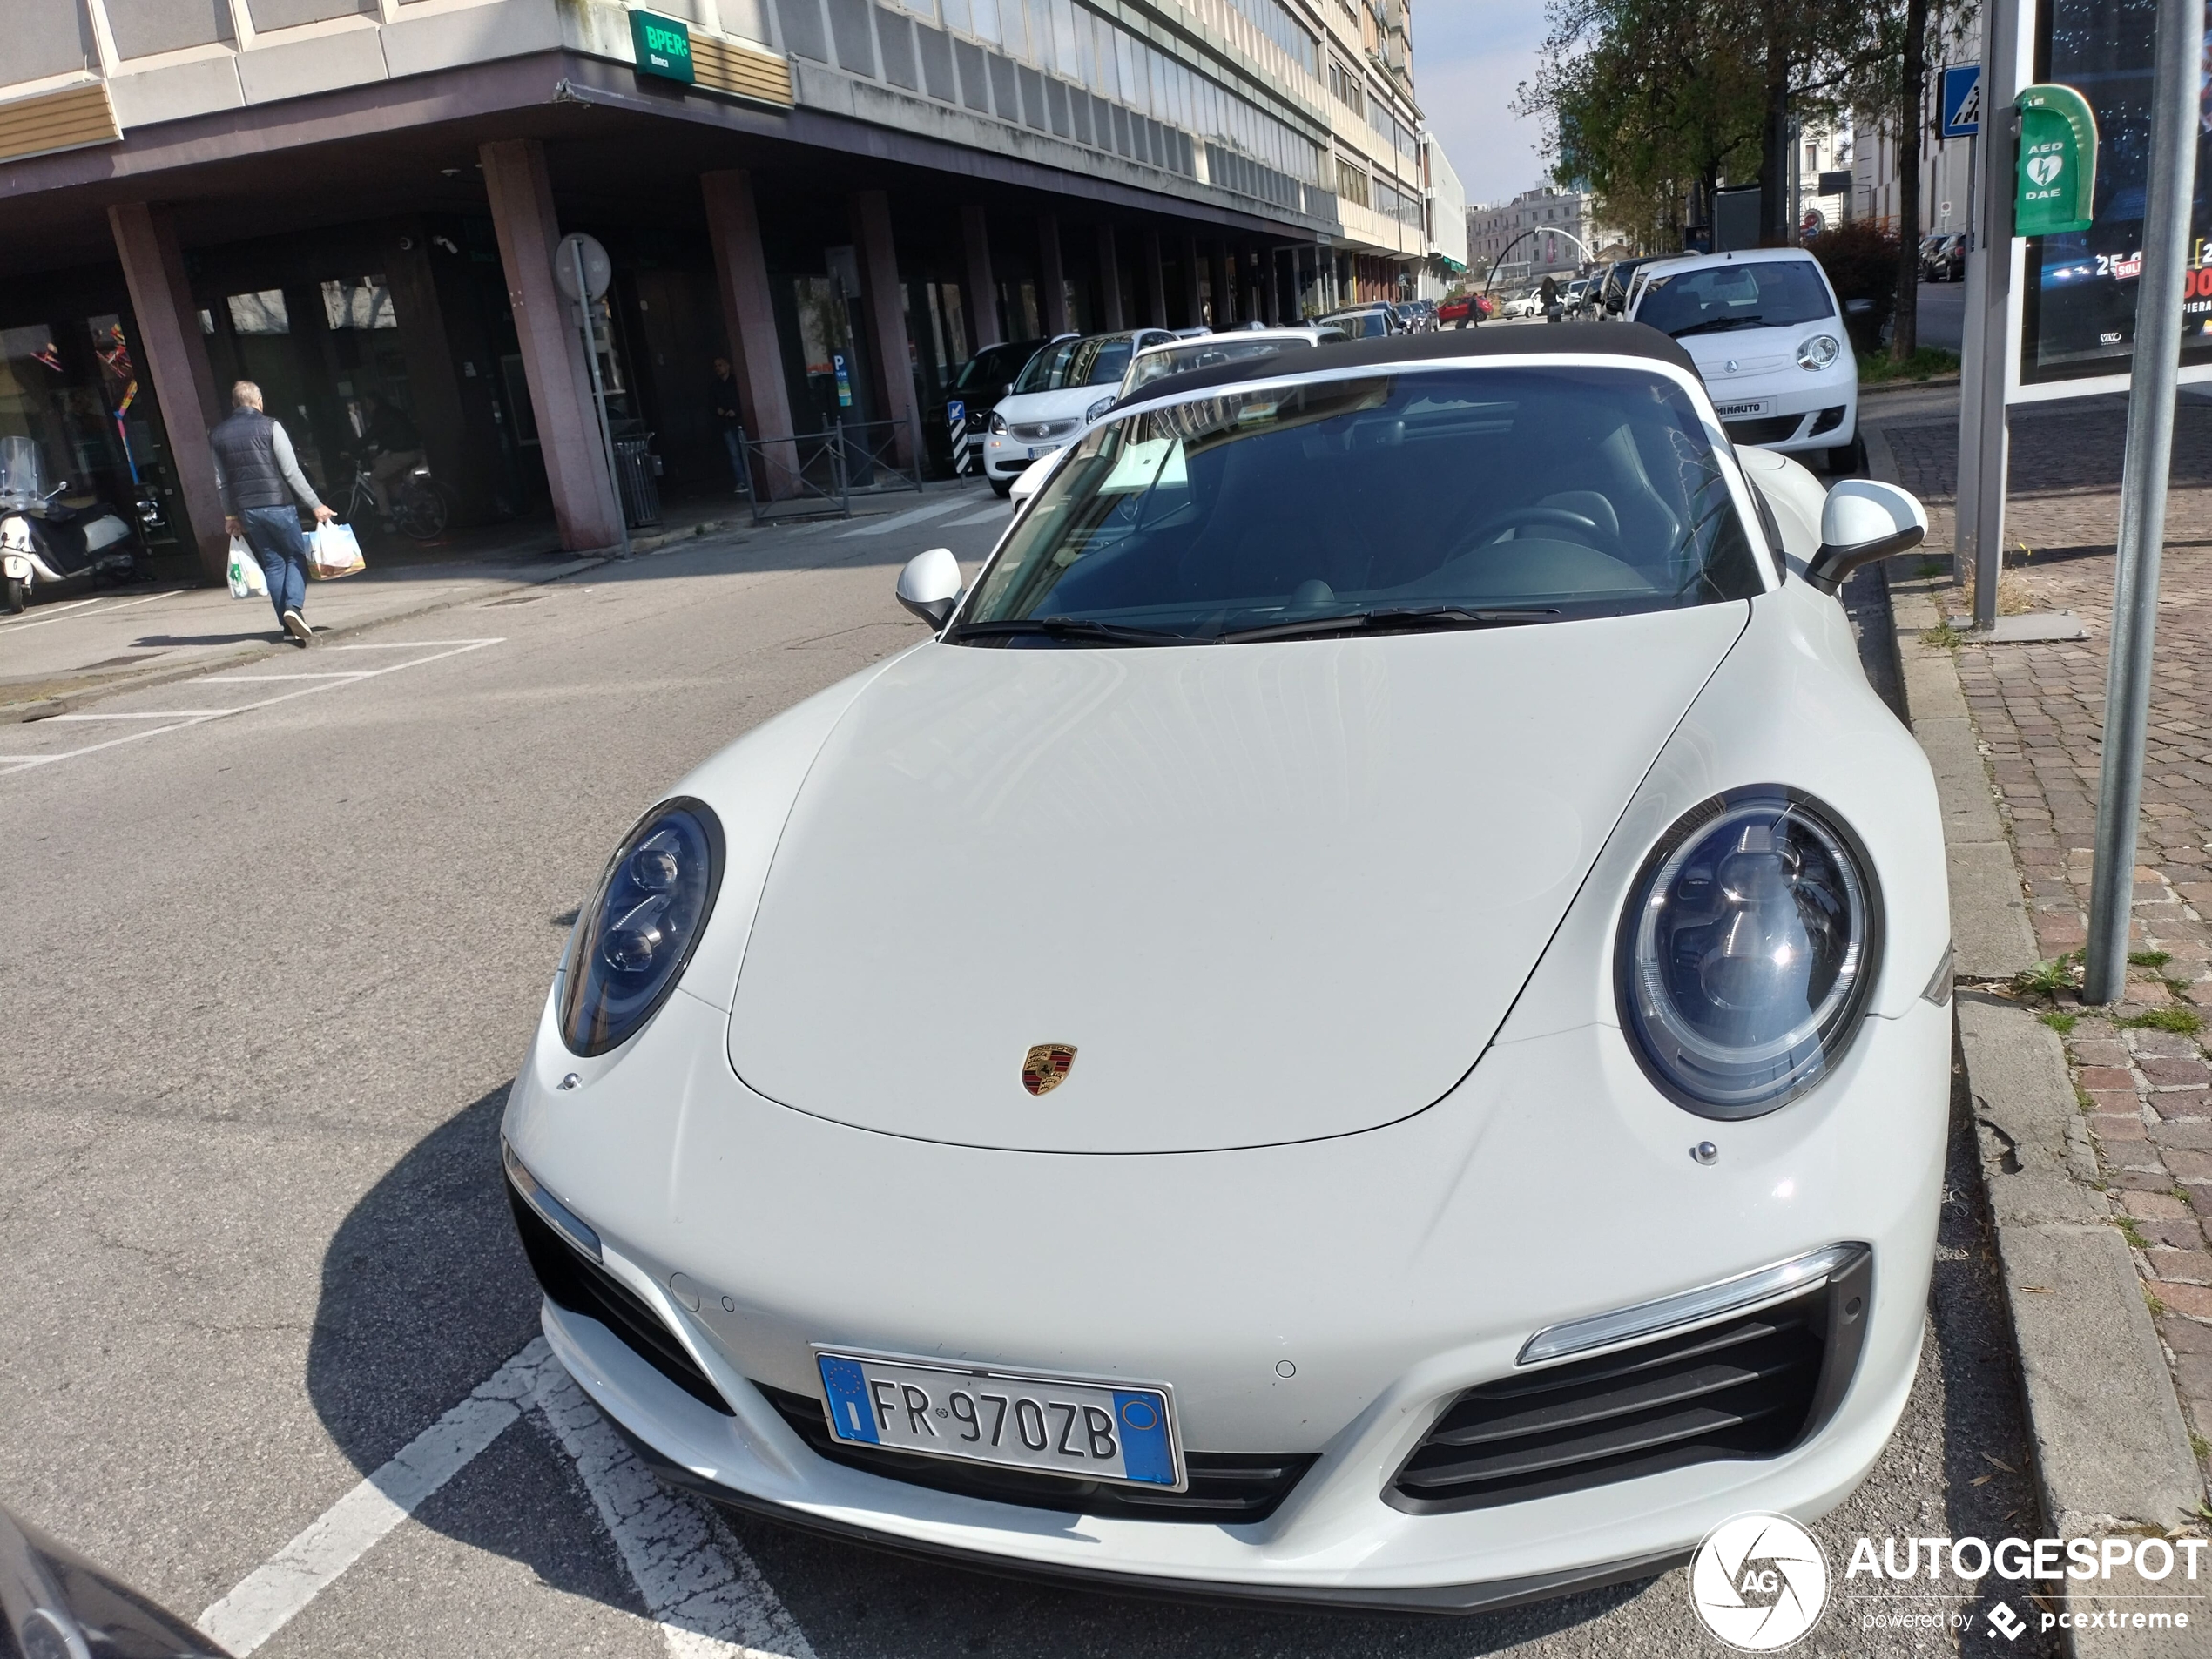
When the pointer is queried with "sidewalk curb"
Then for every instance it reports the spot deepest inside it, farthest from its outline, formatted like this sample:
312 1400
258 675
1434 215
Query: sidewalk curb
46 708
2112 1451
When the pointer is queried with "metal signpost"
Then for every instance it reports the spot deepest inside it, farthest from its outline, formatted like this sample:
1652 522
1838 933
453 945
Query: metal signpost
1961 104
2051 163
582 270
956 418
1984 431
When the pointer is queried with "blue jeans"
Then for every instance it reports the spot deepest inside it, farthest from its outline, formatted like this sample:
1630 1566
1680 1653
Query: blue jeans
738 472
274 535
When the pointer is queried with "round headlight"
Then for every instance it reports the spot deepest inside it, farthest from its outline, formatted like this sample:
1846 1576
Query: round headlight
1097 410
634 937
1750 942
1819 352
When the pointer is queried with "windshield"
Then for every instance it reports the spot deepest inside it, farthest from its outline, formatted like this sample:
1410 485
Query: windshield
994 367
1453 496
22 473
1751 293
1203 353
1360 325
1098 359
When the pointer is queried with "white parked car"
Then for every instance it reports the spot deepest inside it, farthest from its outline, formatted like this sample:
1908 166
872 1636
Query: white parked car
1765 331
1097 1092
1185 356
1071 382
1523 305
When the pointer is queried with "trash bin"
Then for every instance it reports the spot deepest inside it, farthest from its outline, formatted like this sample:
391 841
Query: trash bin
636 468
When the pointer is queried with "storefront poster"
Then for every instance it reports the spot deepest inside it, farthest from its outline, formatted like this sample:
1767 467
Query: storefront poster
2079 312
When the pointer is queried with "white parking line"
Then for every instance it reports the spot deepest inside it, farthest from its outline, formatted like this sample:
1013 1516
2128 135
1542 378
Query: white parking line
270 1596
250 679
697 1581
49 613
161 714
983 517
439 649
699 1585
899 521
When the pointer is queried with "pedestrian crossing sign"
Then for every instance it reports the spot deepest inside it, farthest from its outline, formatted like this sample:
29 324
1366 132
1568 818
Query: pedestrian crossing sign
1962 101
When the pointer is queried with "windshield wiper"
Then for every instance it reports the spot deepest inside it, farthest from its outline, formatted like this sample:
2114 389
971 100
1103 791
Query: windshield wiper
1717 324
1075 628
1397 618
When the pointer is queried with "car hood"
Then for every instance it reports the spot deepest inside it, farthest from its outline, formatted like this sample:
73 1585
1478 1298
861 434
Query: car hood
1066 404
1265 893
1739 352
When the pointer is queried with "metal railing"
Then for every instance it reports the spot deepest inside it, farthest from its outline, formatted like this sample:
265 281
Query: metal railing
816 473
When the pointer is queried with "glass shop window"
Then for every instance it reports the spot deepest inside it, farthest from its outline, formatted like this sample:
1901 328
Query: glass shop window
259 313
358 303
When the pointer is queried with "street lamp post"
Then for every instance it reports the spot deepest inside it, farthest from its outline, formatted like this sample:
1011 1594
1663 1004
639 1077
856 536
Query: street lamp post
2175 88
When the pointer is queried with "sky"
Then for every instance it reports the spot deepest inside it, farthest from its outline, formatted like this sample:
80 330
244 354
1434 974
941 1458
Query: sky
1469 55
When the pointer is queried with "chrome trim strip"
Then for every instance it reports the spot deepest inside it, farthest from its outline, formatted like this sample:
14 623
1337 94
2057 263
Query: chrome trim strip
1689 1307
551 1210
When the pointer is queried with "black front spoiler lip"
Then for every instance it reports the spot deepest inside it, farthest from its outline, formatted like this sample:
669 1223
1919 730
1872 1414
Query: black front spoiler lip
1489 1597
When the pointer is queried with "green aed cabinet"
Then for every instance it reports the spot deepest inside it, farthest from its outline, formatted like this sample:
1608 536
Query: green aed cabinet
2057 179
663 46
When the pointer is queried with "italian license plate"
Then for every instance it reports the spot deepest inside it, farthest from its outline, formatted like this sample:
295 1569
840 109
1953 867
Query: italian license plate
1745 408
1037 451
1094 1431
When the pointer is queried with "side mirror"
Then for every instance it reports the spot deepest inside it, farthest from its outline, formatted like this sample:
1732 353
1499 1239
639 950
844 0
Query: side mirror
1007 390
1863 519
1861 307
930 586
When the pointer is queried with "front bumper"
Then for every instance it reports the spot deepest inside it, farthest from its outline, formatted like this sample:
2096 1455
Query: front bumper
1796 410
1009 457
1391 1270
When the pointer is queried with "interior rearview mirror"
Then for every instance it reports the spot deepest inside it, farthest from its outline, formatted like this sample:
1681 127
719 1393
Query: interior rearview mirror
1863 519
930 586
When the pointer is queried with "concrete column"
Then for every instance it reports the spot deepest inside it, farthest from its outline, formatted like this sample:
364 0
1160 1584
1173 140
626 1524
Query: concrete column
184 384
981 288
1224 285
584 504
887 313
1109 277
749 320
1192 301
1052 277
1155 281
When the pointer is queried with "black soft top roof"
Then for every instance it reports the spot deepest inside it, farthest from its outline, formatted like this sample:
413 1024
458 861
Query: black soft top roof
1596 339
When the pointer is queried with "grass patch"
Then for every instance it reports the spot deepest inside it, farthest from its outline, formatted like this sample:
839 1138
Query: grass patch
2048 979
2184 1023
1924 364
2128 1231
2061 1024
2199 1445
2157 1308
1932 568
2147 958
1943 637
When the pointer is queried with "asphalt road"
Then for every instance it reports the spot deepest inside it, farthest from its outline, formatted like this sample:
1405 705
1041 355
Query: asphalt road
269 977
1942 316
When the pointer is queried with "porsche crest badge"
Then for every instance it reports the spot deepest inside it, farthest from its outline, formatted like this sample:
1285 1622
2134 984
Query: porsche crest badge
1045 1067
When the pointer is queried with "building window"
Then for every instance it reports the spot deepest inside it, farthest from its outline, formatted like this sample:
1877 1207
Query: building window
1352 182
1348 88
259 313
357 303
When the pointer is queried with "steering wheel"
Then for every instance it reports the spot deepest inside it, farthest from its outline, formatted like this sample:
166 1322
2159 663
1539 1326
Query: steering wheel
1489 530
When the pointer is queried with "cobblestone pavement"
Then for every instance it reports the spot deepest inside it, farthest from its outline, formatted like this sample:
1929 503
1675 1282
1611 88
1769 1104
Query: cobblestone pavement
2139 1067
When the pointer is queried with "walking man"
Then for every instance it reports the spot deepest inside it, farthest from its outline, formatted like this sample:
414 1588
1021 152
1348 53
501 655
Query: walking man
259 478
728 419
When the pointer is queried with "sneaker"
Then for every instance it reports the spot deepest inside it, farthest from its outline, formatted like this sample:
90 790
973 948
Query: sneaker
296 625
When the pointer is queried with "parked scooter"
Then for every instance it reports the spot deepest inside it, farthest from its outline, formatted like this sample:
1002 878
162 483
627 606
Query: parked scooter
44 540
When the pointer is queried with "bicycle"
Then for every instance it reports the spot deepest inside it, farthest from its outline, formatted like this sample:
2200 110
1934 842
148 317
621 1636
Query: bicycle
419 509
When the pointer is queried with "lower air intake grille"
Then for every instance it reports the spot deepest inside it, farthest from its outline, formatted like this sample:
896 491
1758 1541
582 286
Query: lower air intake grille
1827 421
1772 429
1227 1488
1750 1386
574 1281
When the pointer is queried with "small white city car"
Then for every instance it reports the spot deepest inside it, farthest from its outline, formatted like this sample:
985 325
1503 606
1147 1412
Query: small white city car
1766 333
1074 379
1364 1022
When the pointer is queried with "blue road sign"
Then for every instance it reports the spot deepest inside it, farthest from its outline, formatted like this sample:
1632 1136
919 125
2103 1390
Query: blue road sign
955 411
1962 101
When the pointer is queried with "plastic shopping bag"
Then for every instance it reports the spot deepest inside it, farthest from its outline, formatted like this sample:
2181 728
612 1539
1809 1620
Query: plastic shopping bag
332 551
245 577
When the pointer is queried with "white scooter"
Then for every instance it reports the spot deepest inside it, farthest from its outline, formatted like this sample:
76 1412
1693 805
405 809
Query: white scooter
44 540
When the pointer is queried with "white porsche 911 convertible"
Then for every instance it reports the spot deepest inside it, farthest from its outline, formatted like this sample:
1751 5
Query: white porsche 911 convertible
1367 1023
